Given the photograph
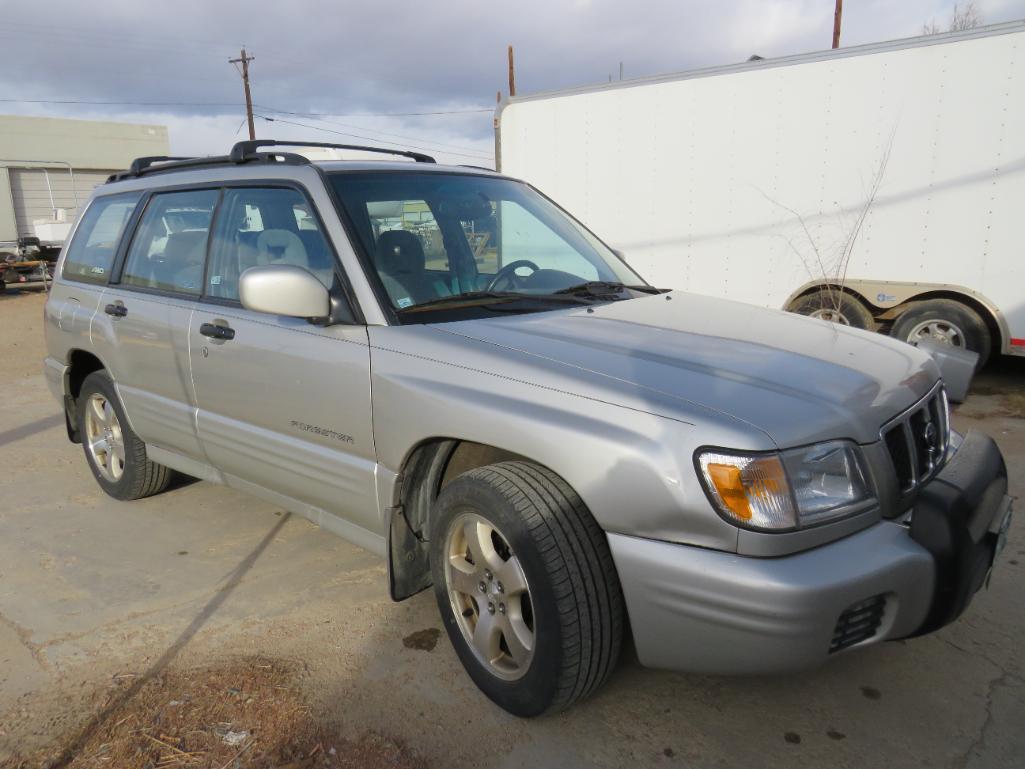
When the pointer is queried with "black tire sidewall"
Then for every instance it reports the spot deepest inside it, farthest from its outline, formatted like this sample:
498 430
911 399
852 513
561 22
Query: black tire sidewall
534 692
857 315
100 382
976 335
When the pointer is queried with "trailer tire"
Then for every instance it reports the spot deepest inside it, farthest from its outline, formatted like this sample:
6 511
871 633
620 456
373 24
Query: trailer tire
947 321
836 306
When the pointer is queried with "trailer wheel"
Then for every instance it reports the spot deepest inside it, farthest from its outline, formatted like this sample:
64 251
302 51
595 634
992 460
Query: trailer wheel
835 306
945 321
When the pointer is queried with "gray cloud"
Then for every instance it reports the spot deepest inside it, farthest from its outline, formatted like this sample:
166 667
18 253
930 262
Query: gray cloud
400 56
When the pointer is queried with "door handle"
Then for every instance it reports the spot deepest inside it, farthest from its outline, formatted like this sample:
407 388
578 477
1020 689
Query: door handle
117 310
214 331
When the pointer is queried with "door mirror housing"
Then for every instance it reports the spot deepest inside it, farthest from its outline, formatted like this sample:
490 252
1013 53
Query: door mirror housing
283 289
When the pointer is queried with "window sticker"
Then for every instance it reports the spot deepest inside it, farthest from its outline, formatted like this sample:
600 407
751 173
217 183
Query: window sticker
404 302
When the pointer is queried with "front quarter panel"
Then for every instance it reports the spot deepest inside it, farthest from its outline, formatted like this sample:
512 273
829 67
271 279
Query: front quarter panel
632 468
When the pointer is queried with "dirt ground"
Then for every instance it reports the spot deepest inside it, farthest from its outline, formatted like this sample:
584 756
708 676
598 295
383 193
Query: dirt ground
178 630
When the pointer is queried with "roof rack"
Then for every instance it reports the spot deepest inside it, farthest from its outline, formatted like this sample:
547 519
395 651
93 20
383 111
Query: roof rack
246 152
242 151
141 164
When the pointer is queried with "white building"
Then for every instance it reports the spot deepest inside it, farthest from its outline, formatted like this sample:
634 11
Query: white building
49 166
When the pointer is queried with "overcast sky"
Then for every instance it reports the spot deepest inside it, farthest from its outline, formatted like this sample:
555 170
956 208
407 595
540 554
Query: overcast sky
340 64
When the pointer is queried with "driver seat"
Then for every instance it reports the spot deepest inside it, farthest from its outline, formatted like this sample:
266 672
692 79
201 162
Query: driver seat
403 267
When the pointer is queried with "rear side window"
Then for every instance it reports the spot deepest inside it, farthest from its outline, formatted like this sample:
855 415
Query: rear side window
168 251
91 254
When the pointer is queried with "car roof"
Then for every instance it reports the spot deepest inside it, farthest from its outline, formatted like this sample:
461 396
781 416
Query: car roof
400 165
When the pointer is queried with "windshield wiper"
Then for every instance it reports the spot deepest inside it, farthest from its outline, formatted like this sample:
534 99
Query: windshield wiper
476 296
601 288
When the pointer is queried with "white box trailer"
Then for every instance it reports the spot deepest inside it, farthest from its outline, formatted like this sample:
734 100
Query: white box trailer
879 185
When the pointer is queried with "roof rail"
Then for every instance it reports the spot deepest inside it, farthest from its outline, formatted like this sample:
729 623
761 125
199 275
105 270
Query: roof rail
185 164
244 151
141 164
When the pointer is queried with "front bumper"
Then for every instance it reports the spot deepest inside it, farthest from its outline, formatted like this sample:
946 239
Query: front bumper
714 612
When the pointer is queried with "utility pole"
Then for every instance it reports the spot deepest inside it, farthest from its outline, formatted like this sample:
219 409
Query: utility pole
837 16
245 84
512 74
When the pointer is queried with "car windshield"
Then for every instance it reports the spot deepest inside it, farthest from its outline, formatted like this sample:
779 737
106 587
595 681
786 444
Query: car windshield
441 241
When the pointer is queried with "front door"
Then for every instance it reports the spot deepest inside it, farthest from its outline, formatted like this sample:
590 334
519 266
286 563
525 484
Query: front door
283 404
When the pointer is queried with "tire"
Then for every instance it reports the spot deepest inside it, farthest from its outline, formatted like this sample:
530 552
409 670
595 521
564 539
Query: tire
561 570
137 476
947 321
837 306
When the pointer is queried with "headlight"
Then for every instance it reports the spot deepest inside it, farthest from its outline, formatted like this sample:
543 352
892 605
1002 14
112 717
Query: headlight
789 489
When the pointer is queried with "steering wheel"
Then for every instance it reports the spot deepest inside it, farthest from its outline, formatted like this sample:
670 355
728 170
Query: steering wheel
508 272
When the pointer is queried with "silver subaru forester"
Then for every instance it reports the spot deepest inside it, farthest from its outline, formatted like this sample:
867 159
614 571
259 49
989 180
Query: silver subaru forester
442 366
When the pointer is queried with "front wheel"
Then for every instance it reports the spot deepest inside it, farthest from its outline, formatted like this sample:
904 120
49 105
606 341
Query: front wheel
526 586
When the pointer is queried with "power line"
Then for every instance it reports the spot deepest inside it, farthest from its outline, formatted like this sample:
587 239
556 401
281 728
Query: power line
125 103
372 130
386 114
236 104
475 156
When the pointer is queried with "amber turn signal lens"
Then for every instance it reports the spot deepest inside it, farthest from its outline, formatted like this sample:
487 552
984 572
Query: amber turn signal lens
730 485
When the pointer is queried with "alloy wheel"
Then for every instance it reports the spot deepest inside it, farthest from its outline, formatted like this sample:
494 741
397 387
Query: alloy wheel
490 596
104 439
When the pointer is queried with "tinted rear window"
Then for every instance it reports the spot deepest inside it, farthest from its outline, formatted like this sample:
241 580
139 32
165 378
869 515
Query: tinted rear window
91 253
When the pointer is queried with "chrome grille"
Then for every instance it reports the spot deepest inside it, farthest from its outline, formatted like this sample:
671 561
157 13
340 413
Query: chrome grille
917 440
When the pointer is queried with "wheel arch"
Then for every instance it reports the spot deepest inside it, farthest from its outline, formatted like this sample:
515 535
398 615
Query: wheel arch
81 363
427 468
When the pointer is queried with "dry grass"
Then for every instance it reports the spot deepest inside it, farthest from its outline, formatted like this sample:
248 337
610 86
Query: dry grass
246 713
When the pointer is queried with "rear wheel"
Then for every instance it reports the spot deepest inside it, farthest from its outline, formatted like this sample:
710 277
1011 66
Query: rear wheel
113 451
835 306
947 322
526 586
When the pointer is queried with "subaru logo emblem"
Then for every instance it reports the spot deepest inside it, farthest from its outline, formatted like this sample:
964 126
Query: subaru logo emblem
929 437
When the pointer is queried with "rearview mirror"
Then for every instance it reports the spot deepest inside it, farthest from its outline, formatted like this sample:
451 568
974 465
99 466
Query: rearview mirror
283 289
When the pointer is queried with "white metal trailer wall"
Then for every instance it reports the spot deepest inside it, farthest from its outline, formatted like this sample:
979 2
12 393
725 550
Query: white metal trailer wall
708 181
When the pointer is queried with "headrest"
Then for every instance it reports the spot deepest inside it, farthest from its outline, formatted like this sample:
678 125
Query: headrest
400 252
281 246
185 247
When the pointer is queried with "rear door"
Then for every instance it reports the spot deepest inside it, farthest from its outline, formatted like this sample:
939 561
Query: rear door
141 330
283 404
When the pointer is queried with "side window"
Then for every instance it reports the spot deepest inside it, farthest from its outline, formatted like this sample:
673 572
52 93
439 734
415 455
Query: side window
169 248
258 226
91 253
525 236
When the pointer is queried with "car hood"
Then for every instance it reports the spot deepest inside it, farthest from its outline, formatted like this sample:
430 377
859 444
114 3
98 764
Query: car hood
685 355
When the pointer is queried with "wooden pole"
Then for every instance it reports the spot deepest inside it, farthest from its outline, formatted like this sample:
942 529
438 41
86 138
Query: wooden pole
512 74
837 16
245 59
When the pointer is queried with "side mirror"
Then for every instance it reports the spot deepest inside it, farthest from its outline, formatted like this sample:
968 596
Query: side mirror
619 255
283 289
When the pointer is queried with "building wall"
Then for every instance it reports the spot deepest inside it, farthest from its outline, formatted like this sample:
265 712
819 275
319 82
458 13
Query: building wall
86 144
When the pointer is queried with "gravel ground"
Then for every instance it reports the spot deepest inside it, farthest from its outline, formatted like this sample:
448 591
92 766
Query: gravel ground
202 580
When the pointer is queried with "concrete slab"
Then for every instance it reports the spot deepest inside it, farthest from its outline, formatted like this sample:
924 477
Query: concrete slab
91 589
